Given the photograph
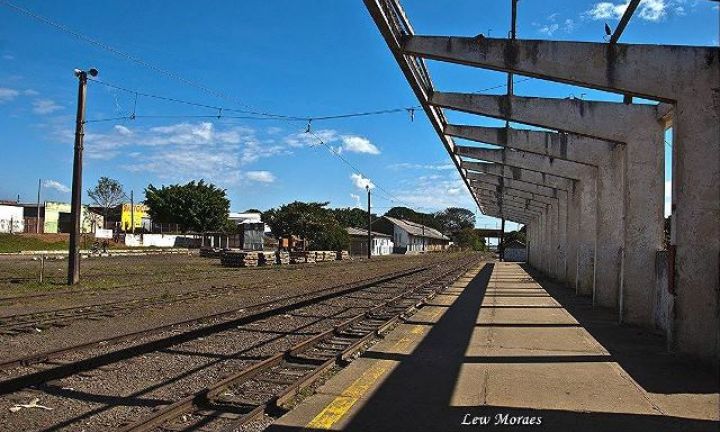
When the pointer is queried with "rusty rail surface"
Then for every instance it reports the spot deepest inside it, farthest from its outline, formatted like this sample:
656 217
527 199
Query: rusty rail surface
303 364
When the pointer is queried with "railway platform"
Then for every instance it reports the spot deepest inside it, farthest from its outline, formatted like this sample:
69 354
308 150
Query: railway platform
499 350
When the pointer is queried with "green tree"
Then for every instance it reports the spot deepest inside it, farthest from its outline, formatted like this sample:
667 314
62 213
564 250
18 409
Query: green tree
351 217
311 221
298 218
468 237
454 219
333 237
514 235
198 207
427 219
107 194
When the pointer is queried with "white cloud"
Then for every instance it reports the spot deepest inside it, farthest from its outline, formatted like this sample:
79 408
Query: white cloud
122 130
436 194
356 200
53 184
7 94
303 139
357 144
30 92
649 10
260 176
668 197
549 29
569 25
46 106
361 182
8 57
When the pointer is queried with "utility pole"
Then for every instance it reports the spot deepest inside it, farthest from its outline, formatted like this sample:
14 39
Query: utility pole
369 228
76 203
132 212
423 231
37 221
513 35
501 246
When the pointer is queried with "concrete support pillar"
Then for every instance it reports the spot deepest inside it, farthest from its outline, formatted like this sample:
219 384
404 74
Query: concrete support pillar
696 224
641 128
588 193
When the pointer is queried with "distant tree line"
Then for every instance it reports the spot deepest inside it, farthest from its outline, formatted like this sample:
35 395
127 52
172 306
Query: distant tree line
198 206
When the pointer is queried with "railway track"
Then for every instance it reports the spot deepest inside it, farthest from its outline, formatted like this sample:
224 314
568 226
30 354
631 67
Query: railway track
37 321
267 386
12 325
337 323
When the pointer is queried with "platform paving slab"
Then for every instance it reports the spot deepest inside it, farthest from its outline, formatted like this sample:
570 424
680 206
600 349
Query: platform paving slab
472 357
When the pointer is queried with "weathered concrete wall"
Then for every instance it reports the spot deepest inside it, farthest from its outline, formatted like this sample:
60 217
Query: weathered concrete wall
665 301
11 219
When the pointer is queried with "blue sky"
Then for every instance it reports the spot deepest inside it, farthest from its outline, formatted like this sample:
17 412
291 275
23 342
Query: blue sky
300 58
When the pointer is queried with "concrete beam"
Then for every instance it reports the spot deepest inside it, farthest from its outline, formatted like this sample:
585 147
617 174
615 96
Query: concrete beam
530 161
590 118
571 147
519 174
569 216
510 216
510 198
516 184
608 159
541 199
641 128
582 247
489 205
649 71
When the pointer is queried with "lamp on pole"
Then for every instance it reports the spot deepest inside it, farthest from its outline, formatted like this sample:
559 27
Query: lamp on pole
367 187
76 203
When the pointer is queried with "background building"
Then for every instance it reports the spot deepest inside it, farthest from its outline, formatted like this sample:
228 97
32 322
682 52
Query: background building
411 237
381 243
515 251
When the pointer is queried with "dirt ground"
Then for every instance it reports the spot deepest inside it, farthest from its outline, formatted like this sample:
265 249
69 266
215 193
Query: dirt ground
129 278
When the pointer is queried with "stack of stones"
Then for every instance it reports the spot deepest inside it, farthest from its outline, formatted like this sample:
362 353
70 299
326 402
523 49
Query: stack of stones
328 255
239 259
207 252
302 257
282 258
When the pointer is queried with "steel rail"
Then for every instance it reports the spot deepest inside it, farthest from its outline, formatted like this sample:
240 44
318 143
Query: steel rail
205 397
35 378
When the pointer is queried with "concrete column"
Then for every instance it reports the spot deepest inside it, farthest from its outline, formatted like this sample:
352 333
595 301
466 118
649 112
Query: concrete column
641 127
681 74
607 157
696 224
587 175
563 186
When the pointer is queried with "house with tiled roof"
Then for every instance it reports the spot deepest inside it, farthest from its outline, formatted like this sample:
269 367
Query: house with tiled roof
411 237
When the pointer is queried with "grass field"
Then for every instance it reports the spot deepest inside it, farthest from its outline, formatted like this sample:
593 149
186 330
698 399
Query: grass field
23 242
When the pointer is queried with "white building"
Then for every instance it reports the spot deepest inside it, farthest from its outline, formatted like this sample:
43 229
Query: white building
381 243
515 251
247 218
411 237
11 219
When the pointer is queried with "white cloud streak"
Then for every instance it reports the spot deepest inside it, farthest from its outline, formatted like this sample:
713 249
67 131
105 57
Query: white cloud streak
53 184
649 10
358 144
361 182
46 106
260 176
8 94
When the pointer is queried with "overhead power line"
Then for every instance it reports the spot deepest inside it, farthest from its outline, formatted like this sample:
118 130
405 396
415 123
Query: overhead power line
117 52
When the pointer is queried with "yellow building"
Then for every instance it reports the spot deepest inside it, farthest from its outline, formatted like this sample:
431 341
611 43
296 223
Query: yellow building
127 218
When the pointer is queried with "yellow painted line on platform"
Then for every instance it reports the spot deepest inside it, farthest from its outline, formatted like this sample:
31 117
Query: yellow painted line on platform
340 406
